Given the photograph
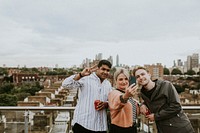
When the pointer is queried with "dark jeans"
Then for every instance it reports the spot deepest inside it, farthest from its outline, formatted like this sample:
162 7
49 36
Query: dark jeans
117 129
80 129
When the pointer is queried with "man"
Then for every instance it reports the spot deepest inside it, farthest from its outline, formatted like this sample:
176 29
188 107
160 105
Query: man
162 104
93 86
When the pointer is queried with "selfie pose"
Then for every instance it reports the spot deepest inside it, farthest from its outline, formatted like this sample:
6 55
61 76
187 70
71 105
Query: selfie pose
123 108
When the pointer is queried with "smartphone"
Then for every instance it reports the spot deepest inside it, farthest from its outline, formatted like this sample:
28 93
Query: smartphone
132 80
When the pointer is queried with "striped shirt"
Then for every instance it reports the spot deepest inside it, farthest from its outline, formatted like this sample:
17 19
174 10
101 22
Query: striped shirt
90 89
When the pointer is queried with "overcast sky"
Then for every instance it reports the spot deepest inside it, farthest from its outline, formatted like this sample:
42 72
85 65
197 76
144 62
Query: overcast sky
65 32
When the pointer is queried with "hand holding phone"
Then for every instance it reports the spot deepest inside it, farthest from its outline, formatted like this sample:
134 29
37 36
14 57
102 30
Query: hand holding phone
131 90
134 91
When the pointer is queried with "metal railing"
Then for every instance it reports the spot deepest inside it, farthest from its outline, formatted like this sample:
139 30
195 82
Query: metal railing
27 119
4 111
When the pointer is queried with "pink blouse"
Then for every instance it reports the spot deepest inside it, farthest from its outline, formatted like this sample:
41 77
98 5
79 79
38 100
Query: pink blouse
121 113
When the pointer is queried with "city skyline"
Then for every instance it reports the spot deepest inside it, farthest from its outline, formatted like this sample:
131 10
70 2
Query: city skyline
46 33
116 63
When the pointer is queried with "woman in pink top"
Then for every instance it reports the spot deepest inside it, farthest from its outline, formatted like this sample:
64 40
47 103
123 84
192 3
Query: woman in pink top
123 108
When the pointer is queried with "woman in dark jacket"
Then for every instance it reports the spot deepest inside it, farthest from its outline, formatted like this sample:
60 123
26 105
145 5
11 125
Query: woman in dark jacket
162 100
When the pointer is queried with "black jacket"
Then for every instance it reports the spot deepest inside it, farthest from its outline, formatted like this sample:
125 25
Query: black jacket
168 113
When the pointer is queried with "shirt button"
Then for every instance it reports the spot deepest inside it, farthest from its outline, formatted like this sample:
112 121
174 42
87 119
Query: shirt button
170 124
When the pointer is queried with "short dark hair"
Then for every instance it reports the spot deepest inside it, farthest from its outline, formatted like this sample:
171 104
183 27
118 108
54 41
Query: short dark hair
104 62
139 67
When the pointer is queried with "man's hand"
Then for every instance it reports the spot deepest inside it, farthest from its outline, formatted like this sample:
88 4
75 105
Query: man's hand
102 105
88 70
143 109
150 117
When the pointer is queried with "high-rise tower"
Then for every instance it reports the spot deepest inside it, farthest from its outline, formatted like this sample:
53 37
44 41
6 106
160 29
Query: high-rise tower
110 59
192 61
117 60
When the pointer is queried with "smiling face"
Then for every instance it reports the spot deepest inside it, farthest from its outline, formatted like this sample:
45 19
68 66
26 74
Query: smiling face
143 77
103 72
122 82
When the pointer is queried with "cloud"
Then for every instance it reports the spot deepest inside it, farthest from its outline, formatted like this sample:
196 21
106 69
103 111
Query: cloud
65 32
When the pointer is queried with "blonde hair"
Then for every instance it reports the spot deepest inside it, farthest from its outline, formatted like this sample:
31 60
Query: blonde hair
119 71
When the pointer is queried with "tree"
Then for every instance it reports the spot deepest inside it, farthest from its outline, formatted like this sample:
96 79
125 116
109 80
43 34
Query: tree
22 96
51 73
191 72
60 71
25 70
176 71
8 100
198 86
6 88
30 88
185 86
34 70
8 79
3 71
166 71
70 72
179 89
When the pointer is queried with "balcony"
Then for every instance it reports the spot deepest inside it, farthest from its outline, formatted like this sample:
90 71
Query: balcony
58 119
35 119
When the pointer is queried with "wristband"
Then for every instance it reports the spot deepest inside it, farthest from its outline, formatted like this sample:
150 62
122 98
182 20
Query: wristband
122 99
80 75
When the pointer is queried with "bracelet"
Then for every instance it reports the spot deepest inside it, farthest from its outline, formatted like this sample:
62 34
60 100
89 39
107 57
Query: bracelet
122 99
80 75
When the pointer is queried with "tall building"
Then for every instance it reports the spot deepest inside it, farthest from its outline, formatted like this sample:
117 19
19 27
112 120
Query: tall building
192 61
195 60
174 63
156 71
189 67
99 56
179 62
86 63
117 60
110 59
